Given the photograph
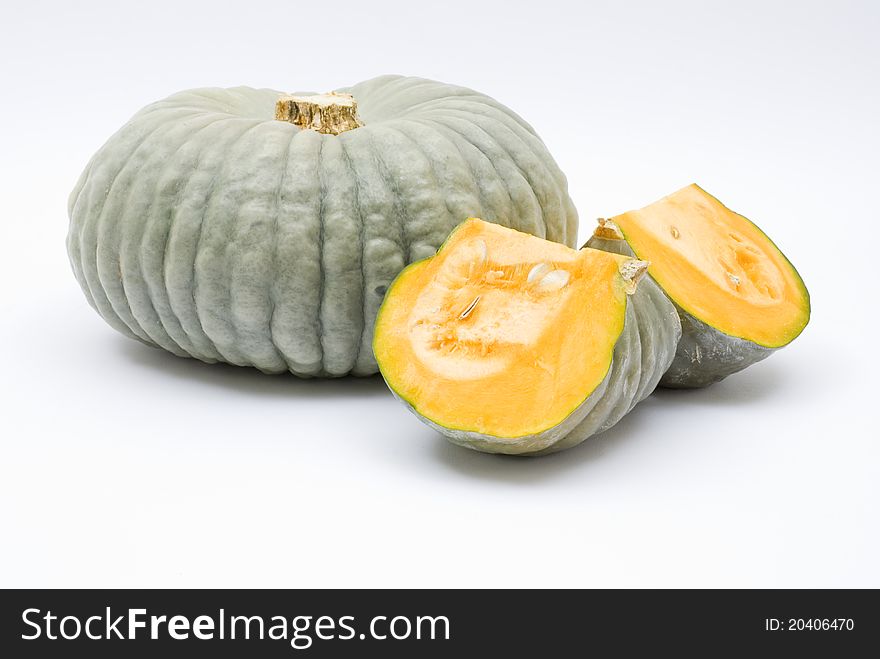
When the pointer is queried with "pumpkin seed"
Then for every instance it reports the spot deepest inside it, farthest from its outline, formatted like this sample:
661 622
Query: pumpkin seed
554 280
467 312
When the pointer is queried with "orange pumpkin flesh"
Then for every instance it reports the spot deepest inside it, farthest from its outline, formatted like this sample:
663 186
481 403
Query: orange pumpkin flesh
501 333
719 267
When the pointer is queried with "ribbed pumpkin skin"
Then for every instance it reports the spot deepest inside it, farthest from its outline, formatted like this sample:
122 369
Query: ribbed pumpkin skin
706 356
206 227
642 354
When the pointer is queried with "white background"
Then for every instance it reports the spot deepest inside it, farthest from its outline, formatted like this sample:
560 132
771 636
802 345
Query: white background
124 466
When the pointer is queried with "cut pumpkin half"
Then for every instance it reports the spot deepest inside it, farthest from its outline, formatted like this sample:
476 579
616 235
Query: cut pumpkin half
505 342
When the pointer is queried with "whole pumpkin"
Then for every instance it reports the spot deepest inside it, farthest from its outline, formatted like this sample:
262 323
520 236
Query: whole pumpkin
210 228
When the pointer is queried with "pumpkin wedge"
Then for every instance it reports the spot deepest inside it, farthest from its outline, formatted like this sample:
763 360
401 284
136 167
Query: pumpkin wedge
508 343
738 297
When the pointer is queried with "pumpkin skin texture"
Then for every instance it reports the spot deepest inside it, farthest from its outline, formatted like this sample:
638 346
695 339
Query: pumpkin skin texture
761 306
208 228
555 345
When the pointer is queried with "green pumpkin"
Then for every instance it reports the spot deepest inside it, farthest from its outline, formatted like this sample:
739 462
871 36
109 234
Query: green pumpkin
209 228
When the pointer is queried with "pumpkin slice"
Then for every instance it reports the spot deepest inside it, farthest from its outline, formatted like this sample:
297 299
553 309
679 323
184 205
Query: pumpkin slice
739 297
510 343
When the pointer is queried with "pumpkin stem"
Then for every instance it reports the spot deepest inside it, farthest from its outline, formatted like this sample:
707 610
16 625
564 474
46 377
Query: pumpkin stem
632 271
331 113
607 229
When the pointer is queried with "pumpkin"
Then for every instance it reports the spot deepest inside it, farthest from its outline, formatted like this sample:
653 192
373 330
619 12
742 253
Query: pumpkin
738 297
507 343
262 229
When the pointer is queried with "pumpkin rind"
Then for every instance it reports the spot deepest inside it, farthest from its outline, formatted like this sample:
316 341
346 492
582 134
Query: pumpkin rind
206 227
706 355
